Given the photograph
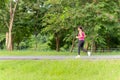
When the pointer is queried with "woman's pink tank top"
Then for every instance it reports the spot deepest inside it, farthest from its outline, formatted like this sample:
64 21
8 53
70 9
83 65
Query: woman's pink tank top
81 37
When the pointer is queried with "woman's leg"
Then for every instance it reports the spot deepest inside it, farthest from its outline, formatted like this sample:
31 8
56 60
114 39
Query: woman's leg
79 46
82 46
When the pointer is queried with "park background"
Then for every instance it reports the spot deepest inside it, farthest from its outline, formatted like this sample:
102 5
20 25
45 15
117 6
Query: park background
52 24
49 27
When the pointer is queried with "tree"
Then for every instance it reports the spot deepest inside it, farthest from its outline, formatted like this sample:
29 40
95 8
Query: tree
37 10
93 15
12 14
53 22
9 20
102 19
27 20
59 19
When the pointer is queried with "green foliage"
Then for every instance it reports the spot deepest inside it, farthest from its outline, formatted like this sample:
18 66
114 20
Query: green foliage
98 19
39 43
63 43
60 18
2 41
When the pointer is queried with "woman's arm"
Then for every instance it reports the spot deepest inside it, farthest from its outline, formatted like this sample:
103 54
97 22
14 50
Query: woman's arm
84 35
80 33
76 36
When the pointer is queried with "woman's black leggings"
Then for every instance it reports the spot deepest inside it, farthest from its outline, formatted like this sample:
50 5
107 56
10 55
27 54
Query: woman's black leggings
80 46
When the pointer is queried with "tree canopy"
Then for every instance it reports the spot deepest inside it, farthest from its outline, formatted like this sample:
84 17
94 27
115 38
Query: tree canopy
57 22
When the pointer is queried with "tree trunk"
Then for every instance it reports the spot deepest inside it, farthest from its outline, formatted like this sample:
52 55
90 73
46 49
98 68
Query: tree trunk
9 34
7 39
73 43
18 47
57 43
87 45
9 46
36 46
93 46
94 1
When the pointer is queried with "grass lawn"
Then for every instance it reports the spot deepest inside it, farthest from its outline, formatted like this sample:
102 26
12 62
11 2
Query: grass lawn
32 52
60 70
35 53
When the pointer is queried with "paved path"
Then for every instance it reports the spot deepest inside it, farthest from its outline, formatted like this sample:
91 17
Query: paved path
57 57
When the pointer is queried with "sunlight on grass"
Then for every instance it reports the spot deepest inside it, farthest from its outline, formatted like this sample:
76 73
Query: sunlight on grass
60 70
35 53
